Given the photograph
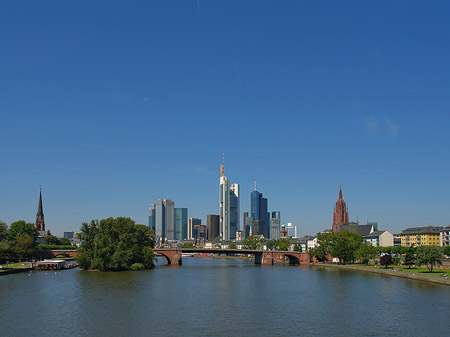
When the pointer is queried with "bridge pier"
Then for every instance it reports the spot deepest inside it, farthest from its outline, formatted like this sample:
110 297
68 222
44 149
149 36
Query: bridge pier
173 256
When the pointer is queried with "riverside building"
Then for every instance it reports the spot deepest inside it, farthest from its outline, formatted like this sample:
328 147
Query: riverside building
421 236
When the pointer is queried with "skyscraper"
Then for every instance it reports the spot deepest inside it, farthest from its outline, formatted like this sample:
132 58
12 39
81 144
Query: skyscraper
340 213
228 206
192 222
212 222
161 218
275 222
260 214
181 223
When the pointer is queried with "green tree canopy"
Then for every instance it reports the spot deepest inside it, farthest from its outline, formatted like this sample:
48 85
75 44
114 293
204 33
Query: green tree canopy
278 244
20 227
65 242
252 242
429 256
115 244
410 258
25 246
342 245
446 250
52 240
365 252
3 230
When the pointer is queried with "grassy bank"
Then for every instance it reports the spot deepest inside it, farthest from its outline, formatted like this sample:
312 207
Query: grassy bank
420 274
14 268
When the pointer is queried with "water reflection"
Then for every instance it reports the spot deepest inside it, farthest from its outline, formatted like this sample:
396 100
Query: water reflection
221 297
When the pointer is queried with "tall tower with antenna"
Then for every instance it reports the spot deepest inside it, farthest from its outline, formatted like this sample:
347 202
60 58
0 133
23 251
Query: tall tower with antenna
228 206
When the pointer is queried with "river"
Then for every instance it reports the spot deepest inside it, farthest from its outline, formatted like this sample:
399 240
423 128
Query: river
218 297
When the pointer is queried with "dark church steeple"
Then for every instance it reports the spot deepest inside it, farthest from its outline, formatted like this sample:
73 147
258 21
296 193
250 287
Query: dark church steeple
40 223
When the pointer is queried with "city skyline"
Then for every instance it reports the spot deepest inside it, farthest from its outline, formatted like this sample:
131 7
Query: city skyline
301 96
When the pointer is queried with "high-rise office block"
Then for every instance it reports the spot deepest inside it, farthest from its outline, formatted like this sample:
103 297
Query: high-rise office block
229 206
181 223
275 222
161 218
260 214
213 223
152 217
190 228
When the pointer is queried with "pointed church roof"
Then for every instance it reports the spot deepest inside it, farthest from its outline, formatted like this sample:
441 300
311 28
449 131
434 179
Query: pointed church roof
40 208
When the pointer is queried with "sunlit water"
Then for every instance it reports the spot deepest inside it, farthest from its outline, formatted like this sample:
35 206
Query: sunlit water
208 297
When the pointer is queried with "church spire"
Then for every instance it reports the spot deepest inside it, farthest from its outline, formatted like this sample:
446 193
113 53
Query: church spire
40 223
40 208
340 191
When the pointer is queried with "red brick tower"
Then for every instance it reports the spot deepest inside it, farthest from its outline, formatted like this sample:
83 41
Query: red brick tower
40 223
340 215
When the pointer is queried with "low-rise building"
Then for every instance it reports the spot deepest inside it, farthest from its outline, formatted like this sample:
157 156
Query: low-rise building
421 236
380 239
445 236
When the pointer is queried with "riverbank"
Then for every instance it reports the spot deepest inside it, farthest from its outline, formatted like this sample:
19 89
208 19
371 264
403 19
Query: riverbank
15 268
388 272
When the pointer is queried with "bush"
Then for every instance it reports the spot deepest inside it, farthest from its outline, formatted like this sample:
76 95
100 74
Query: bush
137 266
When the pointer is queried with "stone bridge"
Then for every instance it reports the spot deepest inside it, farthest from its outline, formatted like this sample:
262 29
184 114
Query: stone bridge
264 257
50 254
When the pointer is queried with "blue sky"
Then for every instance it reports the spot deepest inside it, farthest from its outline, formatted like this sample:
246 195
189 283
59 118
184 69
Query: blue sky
112 105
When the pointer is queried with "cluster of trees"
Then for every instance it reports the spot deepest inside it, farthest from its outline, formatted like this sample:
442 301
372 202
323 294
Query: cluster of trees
344 245
278 244
252 242
348 247
116 244
18 242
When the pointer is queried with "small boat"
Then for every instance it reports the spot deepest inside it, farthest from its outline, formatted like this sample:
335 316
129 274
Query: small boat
187 254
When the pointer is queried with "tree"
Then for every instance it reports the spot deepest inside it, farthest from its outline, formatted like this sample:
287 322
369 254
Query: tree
3 231
25 246
319 252
20 227
64 242
283 244
429 256
6 250
252 242
386 260
366 252
52 240
233 246
271 244
410 258
187 245
115 244
344 245
446 250
298 247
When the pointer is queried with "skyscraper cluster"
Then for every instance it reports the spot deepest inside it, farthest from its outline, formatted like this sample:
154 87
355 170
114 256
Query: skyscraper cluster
167 221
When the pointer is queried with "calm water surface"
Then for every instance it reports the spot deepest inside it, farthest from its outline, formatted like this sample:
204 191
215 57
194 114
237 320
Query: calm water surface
207 297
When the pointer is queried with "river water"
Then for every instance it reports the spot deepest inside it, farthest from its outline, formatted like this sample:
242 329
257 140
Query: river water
217 297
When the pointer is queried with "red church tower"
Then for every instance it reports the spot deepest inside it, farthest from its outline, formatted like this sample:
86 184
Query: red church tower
340 215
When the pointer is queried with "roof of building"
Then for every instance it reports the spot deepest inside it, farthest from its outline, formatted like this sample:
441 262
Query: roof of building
375 234
422 230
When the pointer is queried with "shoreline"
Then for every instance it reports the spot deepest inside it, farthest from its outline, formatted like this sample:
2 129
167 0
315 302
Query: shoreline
386 272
